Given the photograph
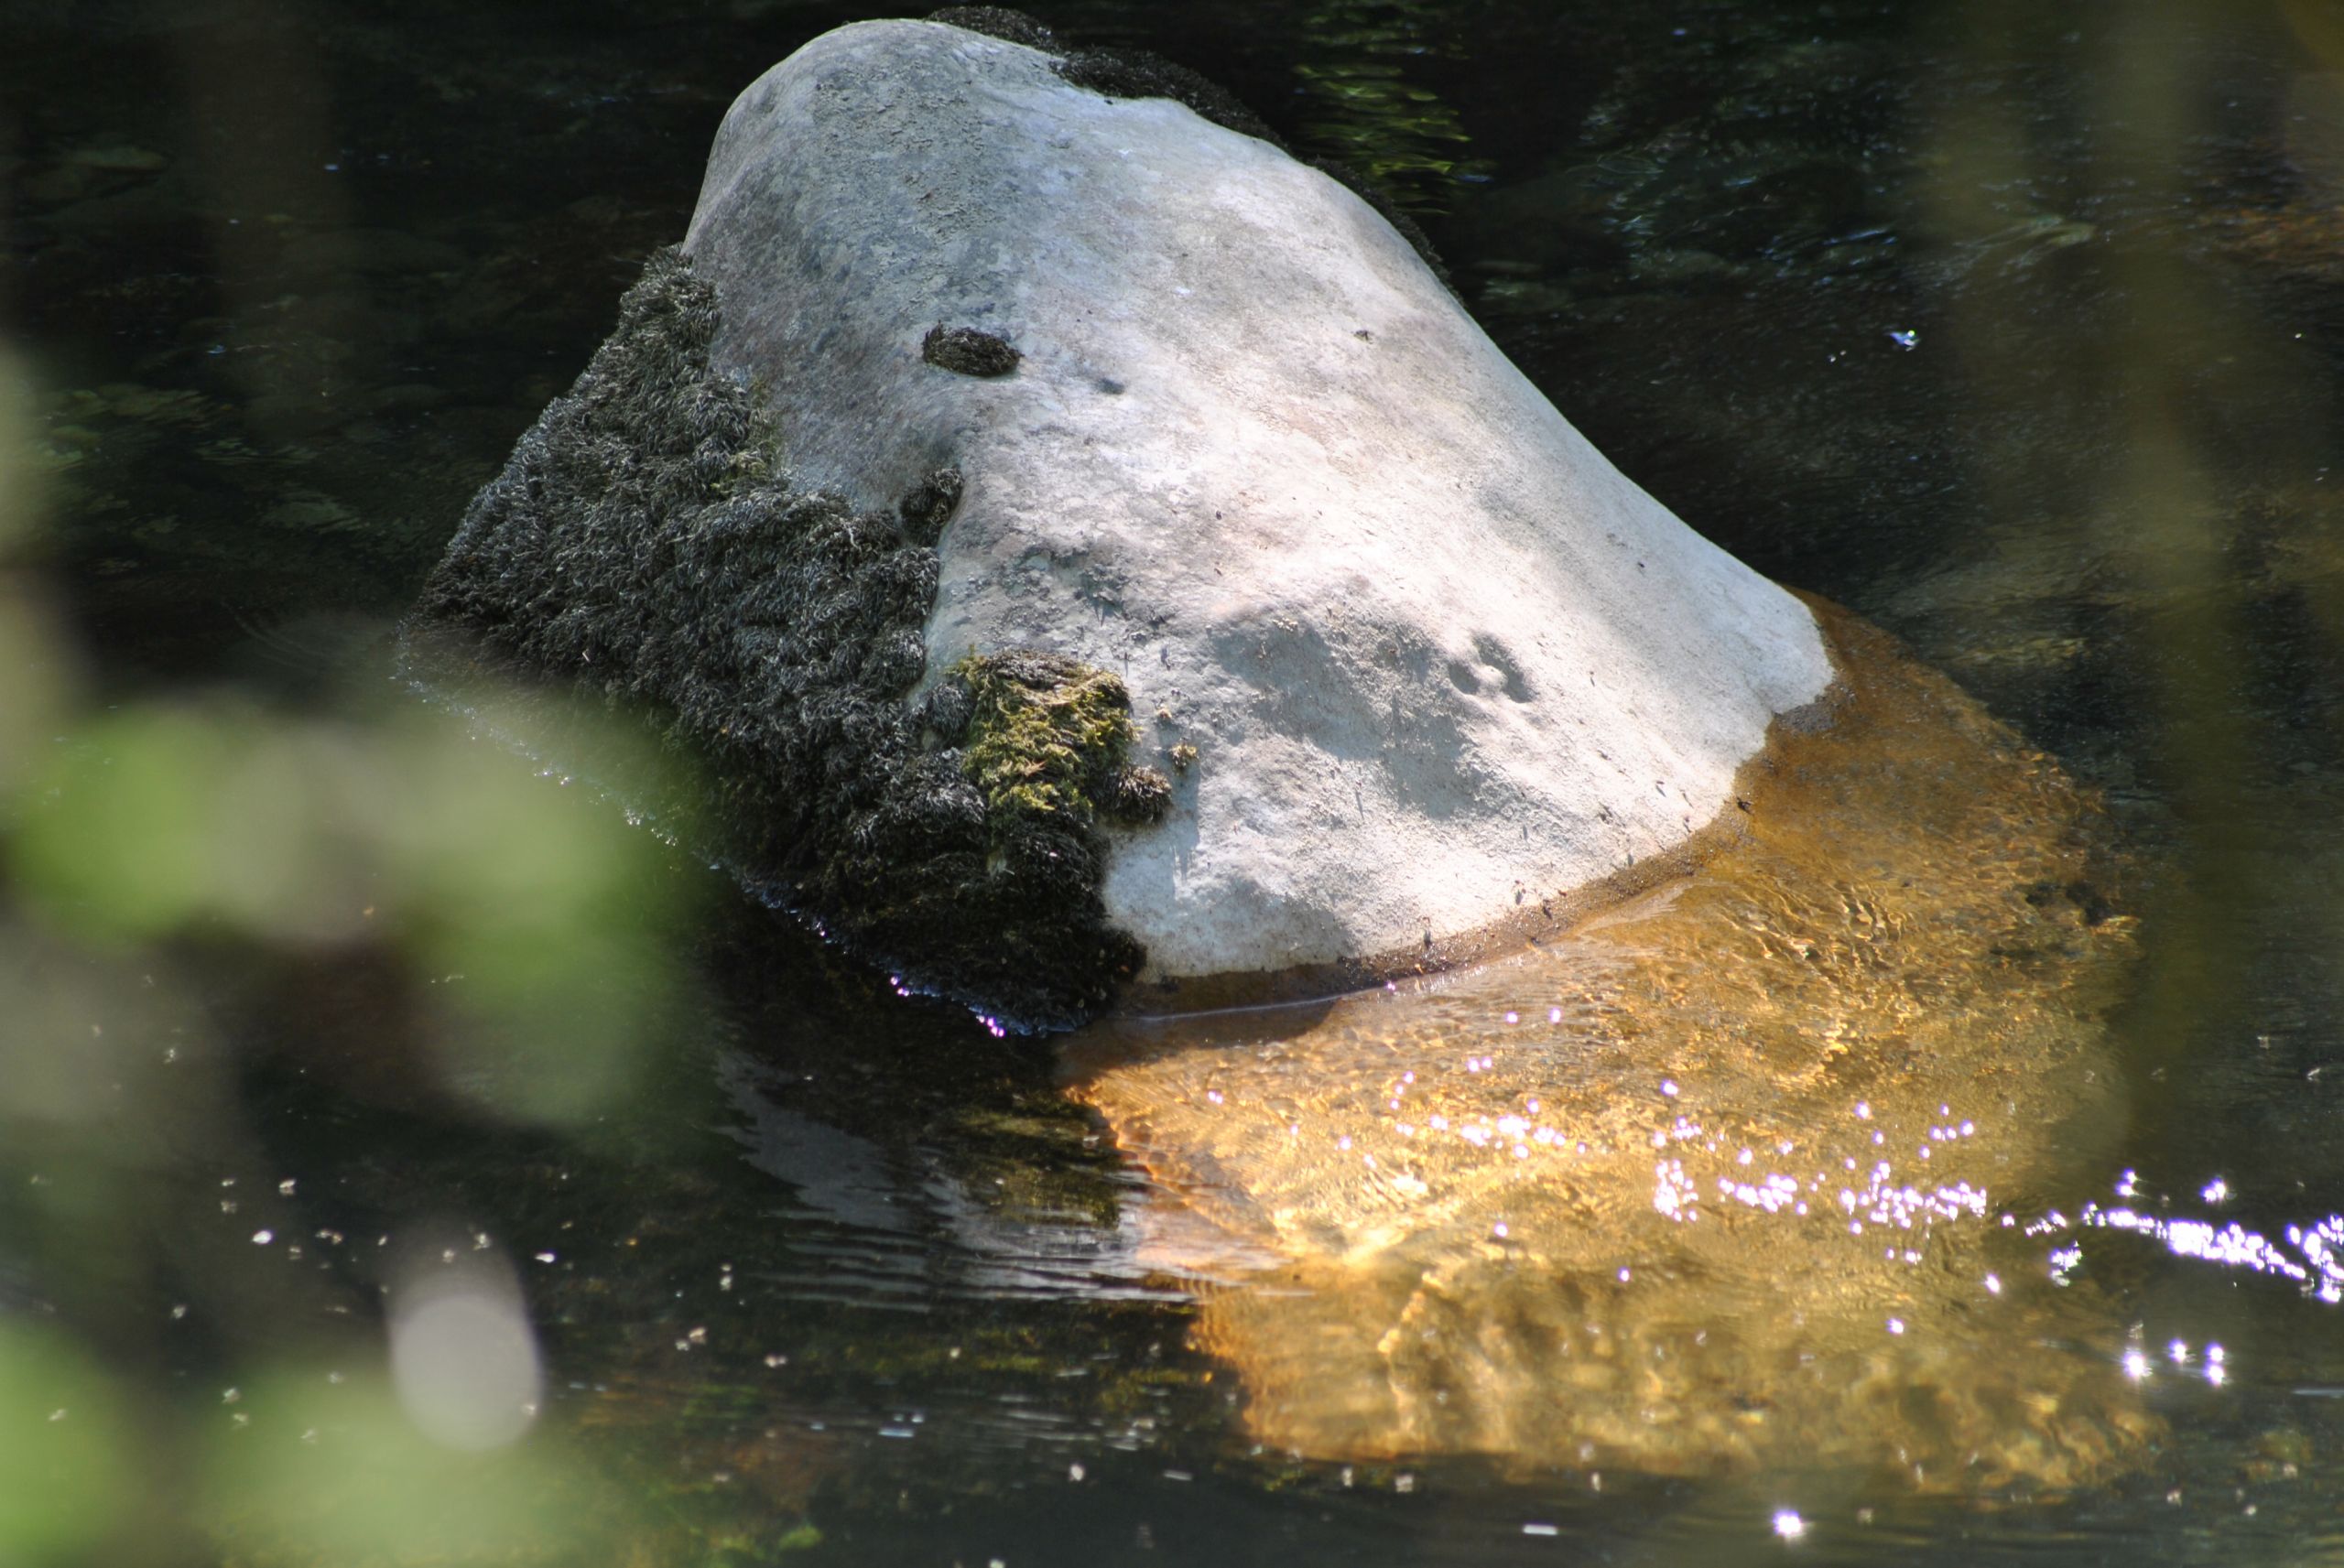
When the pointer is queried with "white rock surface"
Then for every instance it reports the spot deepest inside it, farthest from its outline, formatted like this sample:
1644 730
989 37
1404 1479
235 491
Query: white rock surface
1433 650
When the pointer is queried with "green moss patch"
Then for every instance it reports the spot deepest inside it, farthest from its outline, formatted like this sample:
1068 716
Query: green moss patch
1047 737
645 548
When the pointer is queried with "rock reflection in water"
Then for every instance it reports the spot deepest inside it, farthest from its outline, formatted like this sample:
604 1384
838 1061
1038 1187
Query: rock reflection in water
1719 1180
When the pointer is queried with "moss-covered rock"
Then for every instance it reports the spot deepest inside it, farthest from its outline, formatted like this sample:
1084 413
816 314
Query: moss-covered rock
645 545
1238 398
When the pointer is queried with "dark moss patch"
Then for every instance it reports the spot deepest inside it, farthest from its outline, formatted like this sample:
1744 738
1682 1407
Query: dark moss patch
965 351
999 22
929 505
1138 794
645 547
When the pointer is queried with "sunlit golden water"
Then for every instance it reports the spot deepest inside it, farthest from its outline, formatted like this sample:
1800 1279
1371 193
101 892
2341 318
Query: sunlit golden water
1736 1175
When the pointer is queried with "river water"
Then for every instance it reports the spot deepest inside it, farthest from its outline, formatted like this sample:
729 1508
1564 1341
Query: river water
332 1023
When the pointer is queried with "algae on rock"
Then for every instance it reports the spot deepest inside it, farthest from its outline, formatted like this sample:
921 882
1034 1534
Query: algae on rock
646 546
1049 736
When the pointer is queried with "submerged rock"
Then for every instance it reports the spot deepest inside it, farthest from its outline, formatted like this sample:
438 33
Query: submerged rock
1414 661
1736 1177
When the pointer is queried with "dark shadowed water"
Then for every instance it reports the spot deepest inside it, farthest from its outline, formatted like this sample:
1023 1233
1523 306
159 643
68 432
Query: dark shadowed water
2017 329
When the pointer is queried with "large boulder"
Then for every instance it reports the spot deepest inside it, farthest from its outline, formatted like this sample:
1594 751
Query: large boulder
982 407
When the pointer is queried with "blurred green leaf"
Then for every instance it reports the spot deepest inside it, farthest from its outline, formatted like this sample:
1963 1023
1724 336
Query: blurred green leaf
65 1455
118 842
334 1472
35 680
528 898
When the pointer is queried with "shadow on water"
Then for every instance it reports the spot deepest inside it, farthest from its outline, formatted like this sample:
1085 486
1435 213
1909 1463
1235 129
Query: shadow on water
333 1024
